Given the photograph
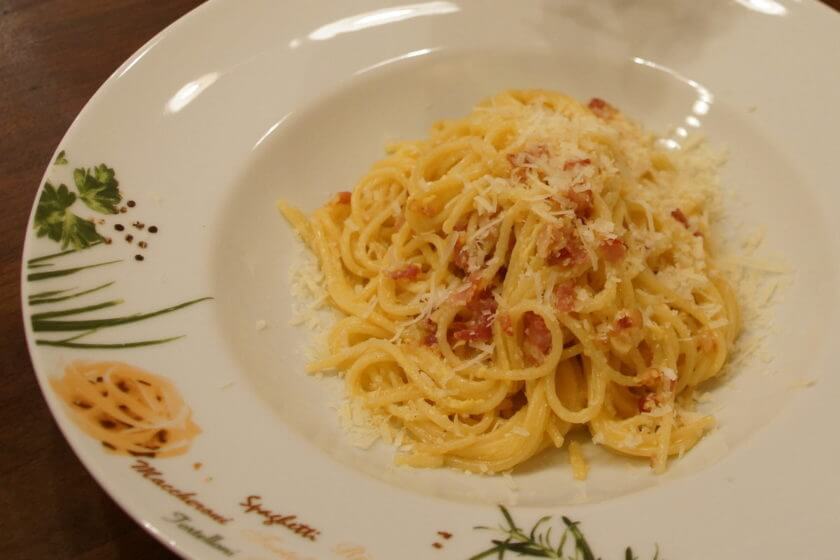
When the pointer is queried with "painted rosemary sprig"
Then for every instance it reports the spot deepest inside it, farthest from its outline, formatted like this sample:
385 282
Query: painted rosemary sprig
538 543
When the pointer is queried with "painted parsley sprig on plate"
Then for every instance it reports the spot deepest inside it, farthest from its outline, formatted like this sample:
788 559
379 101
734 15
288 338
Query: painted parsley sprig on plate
538 543
97 188
54 219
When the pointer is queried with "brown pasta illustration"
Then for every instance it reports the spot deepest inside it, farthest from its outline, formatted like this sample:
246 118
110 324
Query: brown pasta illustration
131 411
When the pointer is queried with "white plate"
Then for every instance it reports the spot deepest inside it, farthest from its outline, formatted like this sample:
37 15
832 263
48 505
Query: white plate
240 103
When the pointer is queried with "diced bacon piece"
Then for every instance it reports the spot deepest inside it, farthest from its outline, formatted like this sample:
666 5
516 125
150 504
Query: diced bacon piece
596 103
626 331
583 201
506 324
520 161
650 378
469 257
468 291
647 402
627 319
654 380
566 248
463 295
408 272
564 297
678 215
469 331
460 256
430 336
576 162
481 307
613 250
560 256
483 303
536 332
656 391
601 108
343 197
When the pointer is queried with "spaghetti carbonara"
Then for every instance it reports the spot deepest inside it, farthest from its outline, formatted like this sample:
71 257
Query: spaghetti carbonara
537 267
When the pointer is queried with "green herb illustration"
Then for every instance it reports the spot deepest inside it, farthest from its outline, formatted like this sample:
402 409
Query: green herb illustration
538 542
54 220
98 189
35 276
66 320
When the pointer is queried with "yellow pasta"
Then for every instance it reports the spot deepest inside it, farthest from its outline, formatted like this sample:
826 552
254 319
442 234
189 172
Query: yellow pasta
536 267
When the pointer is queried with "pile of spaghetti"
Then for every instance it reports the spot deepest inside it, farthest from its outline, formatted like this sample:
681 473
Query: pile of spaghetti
538 267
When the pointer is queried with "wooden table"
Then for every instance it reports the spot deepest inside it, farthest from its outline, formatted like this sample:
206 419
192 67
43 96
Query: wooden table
54 54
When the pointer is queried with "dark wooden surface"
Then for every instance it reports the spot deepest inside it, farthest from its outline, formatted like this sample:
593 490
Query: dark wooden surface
54 54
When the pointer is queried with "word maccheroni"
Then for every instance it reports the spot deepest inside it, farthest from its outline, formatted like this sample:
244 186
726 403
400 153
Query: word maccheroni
153 475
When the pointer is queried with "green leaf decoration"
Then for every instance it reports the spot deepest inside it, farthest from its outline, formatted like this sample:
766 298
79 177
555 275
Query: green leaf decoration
98 188
78 232
581 545
538 543
51 210
52 219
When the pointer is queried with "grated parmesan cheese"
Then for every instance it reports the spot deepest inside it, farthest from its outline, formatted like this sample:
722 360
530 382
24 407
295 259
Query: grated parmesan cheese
669 373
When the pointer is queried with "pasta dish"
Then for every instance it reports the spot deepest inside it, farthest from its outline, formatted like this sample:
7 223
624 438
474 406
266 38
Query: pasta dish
534 273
